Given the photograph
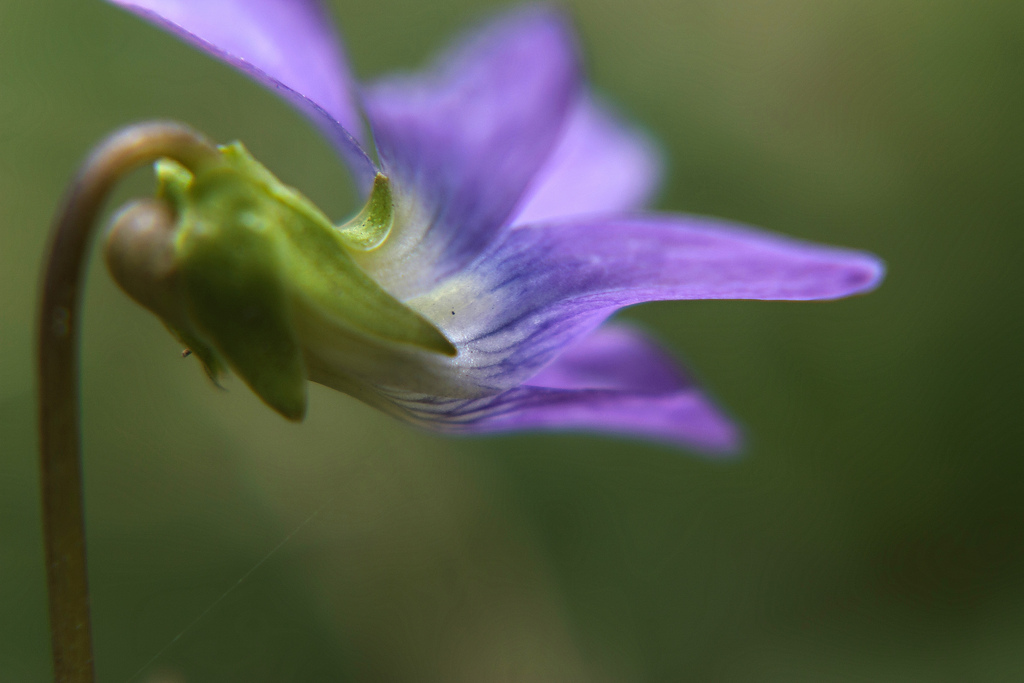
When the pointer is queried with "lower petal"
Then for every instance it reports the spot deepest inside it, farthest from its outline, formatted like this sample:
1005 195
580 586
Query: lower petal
613 381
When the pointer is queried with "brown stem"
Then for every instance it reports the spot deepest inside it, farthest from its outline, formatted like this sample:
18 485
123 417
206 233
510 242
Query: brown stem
59 434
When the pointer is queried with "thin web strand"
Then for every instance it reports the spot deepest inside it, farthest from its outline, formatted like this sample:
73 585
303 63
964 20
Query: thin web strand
302 525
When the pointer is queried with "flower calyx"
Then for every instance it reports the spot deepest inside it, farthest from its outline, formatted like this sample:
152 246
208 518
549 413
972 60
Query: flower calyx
240 267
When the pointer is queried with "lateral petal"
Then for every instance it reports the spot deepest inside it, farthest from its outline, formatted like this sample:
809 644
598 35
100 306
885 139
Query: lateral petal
540 287
601 165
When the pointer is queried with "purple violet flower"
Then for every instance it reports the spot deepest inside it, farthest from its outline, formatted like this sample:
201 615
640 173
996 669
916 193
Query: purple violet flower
516 231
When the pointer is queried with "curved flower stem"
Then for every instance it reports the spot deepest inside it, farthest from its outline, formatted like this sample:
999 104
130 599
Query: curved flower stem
58 331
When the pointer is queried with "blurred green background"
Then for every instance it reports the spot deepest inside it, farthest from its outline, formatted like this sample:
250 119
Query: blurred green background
874 529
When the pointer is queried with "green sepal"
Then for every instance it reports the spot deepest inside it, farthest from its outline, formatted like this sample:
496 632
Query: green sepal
236 300
229 275
211 362
252 254
371 226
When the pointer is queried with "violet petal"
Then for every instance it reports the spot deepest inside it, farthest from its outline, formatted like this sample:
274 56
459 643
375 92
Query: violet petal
539 287
614 380
462 141
289 46
601 165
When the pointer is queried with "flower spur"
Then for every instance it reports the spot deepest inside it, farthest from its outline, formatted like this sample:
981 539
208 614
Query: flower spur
511 226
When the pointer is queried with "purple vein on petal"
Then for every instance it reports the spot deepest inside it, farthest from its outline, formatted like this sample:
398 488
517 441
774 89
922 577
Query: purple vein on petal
614 380
463 140
289 46
540 287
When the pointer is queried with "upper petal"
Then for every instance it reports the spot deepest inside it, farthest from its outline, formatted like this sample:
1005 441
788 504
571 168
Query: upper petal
601 165
614 380
290 46
540 287
462 141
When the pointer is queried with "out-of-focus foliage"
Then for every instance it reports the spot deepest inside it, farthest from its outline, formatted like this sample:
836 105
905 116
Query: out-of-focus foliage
872 532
